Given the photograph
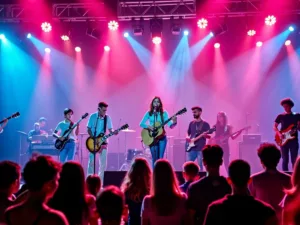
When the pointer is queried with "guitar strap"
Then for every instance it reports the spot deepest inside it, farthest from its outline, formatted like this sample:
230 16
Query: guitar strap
161 117
105 124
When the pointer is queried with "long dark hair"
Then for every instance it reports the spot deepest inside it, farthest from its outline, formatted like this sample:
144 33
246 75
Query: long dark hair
70 197
220 129
160 109
137 181
165 190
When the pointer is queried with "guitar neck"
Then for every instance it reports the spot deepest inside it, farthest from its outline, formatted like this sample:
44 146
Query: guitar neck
73 127
111 134
8 118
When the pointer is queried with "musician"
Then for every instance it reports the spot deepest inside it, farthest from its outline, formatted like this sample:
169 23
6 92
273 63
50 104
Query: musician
3 125
43 125
68 152
98 123
155 114
285 120
36 131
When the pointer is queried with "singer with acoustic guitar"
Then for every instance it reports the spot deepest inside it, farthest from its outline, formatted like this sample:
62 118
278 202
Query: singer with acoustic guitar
287 136
155 115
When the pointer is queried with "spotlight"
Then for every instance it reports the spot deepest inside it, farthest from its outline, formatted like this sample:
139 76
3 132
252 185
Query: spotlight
126 34
218 30
46 27
176 29
29 35
113 25
217 45
2 37
259 44
291 28
287 42
270 20
202 23
77 49
211 34
251 32
48 50
65 38
156 40
106 48
186 32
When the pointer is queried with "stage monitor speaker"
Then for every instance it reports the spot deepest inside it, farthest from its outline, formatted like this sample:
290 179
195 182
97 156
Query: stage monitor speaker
248 152
179 154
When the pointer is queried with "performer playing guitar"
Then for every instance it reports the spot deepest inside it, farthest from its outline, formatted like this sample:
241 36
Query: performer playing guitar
287 137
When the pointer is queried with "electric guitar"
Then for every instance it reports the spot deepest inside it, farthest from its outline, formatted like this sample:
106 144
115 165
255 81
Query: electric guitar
190 145
223 138
15 115
149 138
59 145
286 135
101 140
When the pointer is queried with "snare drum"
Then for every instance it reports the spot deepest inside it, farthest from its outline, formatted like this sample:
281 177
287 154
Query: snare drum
131 153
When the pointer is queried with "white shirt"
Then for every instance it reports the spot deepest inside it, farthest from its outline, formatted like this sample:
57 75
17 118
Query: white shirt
63 126
96 121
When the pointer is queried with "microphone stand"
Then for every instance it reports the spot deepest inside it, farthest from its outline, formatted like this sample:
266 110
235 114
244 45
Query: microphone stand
94 152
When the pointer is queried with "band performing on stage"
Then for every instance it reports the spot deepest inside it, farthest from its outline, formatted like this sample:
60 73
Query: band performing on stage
154 134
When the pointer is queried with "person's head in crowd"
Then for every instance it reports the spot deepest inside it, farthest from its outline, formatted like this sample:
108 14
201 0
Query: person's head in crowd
190 171
110 205
41 175
93 184
137 182
212 157
10 174
239 172
295 179
269 155
70 197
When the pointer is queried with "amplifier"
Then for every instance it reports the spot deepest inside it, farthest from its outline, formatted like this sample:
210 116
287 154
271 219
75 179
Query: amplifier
179 154
252 139
179 141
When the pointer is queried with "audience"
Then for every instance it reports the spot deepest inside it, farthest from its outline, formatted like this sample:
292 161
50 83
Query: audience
190 174
269 184
9 184
136 186
71 198
210 188
166 204
110 206
93 184
240 207
293 192
41 176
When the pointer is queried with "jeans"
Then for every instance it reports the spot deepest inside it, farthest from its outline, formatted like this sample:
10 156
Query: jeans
158 150
193 155
226 155
102 164
291 146
68 152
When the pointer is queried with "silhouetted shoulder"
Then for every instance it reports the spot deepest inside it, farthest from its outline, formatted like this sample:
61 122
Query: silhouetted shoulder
56 217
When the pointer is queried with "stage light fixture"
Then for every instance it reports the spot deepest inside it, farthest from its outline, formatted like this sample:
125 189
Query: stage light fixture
77 49
287 42
291 28
46 27
270 20
48 50
126 34
217 45
251 32
28 35
138 31
156 40
175 29
186 32
259 44
2 37
202 23
94 33
65 38
113 25
156 30
211 34
218 30
106 48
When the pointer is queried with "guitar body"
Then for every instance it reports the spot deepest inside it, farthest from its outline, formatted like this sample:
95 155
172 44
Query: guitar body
287 136
152 137
189 146
59 145
90 144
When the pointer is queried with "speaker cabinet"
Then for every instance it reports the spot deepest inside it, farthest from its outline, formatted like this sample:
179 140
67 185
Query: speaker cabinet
248 152
179 155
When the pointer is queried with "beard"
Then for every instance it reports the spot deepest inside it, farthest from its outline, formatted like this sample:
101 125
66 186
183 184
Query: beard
196 116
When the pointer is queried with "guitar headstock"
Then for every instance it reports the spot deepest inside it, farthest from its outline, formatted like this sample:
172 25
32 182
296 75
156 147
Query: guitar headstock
85 116
15 115
182 111
124 127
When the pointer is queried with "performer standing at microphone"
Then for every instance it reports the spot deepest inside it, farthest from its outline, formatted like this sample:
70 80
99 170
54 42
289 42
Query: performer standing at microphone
157 114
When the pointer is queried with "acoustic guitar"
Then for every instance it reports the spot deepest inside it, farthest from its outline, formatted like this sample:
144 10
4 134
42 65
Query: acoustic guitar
101 140
15 115
286 135
150 138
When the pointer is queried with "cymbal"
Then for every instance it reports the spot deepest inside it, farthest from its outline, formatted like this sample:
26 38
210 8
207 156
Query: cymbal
128 131
21 132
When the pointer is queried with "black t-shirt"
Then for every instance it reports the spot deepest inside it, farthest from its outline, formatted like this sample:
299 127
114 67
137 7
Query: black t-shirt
196 128
237 209
203 192
134 208
285 120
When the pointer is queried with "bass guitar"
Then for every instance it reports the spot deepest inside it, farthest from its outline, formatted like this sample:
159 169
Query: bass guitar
59 145
223 138
101 140
191 144
15 115
149 138
286 135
